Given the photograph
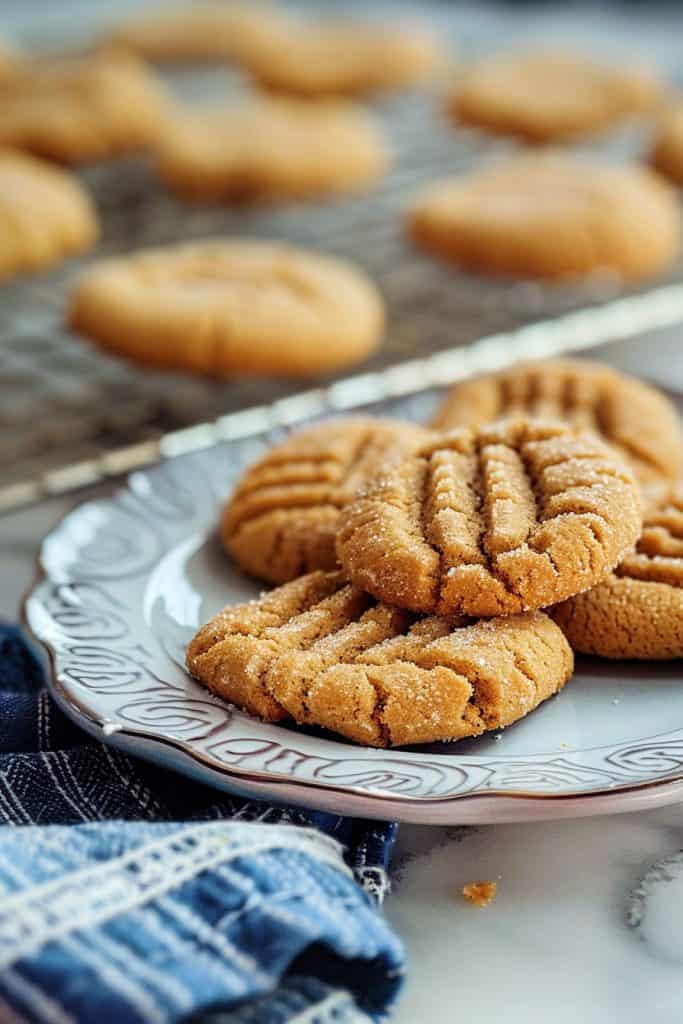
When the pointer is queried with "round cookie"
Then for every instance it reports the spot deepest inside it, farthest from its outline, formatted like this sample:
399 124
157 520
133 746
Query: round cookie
547 216
637 612
224 307
202 31
342 58
45 215
667 151
81 109
271 148
506 518
632 417
542 97
325 653
282 518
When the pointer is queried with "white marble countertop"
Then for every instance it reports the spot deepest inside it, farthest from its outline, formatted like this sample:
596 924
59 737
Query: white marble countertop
587 924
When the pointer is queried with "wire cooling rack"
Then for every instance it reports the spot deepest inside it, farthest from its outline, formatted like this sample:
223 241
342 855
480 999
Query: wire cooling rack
70 415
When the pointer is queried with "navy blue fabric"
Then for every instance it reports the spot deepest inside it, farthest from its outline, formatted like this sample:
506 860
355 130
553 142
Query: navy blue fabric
131 893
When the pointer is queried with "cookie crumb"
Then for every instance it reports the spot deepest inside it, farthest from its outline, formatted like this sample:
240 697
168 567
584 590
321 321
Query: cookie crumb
480 894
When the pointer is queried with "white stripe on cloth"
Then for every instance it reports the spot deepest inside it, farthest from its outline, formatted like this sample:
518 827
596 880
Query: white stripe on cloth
37 1002
94 894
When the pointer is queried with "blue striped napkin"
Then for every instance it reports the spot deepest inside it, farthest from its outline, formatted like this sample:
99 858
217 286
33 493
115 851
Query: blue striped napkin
129 894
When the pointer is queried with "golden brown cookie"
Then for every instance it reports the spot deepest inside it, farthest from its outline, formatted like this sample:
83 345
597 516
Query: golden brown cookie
271 148
541 97
632 417
45 215
667 151
637 612
201 31
492 521
281 520
342 58
548 216
325 653
224 307
81 109
9 60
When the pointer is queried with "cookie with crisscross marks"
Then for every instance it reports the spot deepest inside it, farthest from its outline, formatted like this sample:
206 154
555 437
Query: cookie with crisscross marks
325 653
505 518
637 612
635 419
282 518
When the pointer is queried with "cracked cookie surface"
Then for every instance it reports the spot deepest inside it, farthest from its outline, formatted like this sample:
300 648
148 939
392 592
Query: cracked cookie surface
281 520
546 96
269 149
324 653
632 417
505 518
82 108
223 307
45 215
637 612
548 216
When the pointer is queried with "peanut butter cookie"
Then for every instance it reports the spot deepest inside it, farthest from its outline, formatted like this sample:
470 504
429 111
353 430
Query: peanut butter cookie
542 97
342 58
492 521
282 518
325 653
635 419
45 215
224 307
201 31
667 151
271 149
81 109
637 612
551 217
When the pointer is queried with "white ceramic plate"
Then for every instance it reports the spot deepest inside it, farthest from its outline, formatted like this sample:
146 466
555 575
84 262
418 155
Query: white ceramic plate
128 579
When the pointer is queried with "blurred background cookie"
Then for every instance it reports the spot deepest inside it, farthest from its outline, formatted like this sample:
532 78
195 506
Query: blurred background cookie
637 612
343 58
283 516
549 216
542 97
196 32
666 155
237 306
629 415
273 148
80 109
45 215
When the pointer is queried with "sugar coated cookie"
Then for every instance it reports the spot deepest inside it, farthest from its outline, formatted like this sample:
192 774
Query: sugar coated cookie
637 612
237 306
325 653
492 521
667 151
81 109
271 148
635 419
551 217
45 215
281 520
343 58
549 96
200 31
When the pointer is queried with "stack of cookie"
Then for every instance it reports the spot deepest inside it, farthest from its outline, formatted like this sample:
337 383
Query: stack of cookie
448 571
